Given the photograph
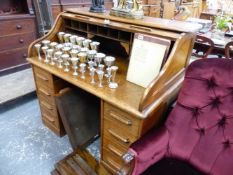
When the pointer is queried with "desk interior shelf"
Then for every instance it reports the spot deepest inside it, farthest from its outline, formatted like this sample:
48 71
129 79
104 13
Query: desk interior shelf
84 28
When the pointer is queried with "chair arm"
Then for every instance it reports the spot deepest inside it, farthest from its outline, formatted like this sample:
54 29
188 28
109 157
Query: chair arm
145 151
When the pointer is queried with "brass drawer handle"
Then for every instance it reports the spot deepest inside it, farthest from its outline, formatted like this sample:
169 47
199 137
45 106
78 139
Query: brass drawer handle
48 118
115 151
120 119
140 28
41 77
46 105
44 92
118 136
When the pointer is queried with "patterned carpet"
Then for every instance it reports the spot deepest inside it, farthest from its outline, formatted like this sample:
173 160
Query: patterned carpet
27 147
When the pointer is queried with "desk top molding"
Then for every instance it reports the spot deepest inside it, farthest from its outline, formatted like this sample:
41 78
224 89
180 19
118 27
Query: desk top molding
151 22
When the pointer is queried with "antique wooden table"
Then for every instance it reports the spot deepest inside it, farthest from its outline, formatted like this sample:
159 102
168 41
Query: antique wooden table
219 43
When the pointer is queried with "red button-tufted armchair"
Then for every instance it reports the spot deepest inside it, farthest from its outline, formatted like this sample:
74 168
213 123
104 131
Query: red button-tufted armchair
198 131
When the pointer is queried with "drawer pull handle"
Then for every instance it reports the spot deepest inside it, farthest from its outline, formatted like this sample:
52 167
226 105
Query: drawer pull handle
44 92
120 119
18 27
42 77
47 106
21 41
110 168
114 150
49 118
25 55
118 136
140 28
113 164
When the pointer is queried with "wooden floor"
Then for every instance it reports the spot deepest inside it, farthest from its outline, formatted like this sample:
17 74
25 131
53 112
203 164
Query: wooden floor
73 164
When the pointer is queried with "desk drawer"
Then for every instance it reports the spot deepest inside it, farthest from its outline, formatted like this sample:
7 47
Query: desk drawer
114 148
117 135
16 41
43 95
113 161
51 126
42 77
12 58
44 92
50 108
121 119
48 82
50 117
17 26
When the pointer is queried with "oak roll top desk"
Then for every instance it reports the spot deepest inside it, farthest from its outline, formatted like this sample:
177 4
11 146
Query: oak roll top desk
129 111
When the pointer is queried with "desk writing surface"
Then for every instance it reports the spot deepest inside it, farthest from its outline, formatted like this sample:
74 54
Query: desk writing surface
127 96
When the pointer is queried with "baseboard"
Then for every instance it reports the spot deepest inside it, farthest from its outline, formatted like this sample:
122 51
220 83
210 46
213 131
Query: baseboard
17 101
14 69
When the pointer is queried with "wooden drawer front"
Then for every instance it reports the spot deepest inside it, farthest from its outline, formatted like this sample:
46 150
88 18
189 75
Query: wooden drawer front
50 108
47 81
16 41
50 125
45 93
121 119
117 135
113 161
44 89
50 86
42 77
49 116
114 148
13 57
17 26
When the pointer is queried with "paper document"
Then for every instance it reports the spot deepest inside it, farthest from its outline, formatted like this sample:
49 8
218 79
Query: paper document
147 56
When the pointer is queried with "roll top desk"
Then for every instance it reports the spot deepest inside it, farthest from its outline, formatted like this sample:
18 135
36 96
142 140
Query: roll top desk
129 111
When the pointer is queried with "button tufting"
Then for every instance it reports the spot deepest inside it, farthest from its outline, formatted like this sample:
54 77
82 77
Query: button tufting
196 111
211 83
201 131
226 144
231 90
216 102
222 122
